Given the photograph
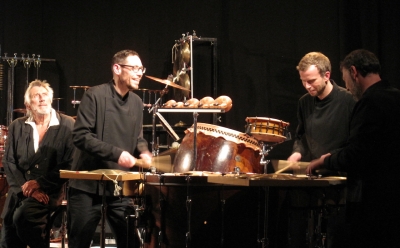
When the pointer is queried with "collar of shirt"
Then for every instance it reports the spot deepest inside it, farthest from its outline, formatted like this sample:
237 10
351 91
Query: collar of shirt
53 122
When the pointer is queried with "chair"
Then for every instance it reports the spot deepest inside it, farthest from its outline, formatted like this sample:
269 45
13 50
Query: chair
62 209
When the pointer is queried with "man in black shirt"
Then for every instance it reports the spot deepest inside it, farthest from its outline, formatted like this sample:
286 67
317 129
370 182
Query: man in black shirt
323 113
323 117
107 132
371 155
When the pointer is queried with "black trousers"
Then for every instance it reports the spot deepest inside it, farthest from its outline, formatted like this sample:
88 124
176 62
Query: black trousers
84 215
25 224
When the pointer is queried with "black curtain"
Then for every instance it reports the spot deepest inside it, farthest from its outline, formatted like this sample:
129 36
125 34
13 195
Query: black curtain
259 44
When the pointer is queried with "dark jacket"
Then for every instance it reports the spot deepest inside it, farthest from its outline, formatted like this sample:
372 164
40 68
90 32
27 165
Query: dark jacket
106 125
22 164
372 154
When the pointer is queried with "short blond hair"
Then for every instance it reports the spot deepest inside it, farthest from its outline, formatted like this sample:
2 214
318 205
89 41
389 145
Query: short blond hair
315 58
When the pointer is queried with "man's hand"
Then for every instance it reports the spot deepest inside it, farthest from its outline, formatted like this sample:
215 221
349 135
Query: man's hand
147 157
126 160
29 187
316 164
295 157
40 196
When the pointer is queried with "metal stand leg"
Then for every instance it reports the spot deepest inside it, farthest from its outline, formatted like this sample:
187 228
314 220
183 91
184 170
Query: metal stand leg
63 230
222 222
189 212
195 115
264 240
139 229
103 216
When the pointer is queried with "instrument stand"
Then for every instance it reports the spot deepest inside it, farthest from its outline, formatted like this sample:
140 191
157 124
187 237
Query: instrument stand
63 229
162 205
27 64
139 229
195 115
266 148
37 62
189 212
264 241
103 216
155 146
102 176
12 62
223 202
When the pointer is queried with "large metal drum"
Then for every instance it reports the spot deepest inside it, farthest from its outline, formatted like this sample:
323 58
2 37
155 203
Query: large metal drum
219 149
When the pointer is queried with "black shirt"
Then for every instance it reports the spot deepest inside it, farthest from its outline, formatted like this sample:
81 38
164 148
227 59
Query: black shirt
323 124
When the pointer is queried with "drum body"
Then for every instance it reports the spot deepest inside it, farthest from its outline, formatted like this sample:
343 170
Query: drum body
267 129
218 149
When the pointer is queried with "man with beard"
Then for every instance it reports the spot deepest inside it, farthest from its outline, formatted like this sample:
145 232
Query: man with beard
371 155
323 116
107 132
38 146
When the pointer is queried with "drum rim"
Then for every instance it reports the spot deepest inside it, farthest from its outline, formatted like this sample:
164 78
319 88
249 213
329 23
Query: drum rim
218 131
273 137
254 119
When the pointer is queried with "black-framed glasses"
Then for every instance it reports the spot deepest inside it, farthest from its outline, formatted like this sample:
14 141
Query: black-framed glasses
135 68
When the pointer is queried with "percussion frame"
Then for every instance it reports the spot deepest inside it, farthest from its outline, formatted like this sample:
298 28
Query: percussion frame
102 176
164 123
189 183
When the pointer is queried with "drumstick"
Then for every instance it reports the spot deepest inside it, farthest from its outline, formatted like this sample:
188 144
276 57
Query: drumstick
290 165
285 168
162 163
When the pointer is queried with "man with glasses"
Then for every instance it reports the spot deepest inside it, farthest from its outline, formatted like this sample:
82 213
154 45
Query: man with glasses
107 132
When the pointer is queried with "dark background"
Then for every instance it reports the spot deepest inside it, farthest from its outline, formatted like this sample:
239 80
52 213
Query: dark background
259 46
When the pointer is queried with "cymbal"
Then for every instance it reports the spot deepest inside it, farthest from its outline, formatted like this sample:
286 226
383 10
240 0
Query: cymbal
167 82
185 52
150 91
57 98
184 81
21 110
176 63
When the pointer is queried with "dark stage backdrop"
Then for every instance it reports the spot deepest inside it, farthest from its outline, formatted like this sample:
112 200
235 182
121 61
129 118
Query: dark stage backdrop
259 44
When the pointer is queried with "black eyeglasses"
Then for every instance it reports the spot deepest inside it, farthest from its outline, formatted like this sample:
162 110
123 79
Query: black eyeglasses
135 69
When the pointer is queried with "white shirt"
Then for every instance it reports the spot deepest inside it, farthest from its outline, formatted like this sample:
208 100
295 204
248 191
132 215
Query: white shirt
53 122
